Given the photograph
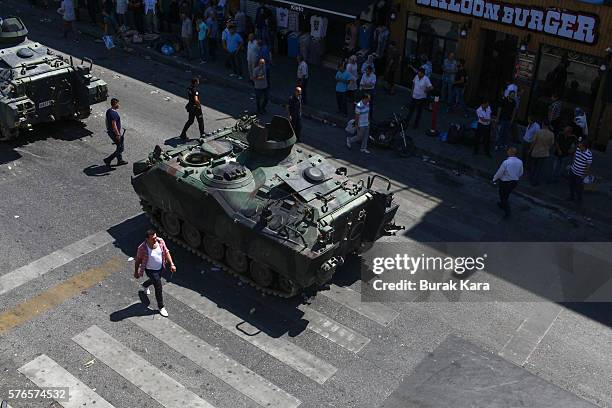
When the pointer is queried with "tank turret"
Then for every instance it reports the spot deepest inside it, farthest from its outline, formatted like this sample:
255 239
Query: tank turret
37 85
251 201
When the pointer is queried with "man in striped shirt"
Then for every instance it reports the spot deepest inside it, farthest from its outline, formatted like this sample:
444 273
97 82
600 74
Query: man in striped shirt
581 166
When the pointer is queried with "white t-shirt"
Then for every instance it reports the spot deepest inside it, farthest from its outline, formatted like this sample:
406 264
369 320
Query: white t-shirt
318 26
282 17
420 87
302 71
484 115
363 111
352 69
154 262
149 5
67 10
368 81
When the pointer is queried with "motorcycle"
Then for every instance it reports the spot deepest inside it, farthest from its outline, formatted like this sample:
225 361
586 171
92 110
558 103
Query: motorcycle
391 135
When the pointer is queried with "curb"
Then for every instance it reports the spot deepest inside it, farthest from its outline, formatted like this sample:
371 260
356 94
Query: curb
543 199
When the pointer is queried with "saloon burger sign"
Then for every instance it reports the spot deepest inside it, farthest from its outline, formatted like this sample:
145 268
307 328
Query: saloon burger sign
559 23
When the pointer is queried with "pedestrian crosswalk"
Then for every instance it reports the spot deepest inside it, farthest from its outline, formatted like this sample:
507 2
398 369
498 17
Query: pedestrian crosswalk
377 312
244 381
151 380
283 350
203 354
46 373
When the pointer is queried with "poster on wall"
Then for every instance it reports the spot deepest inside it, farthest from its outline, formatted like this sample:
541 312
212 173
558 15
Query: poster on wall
524 69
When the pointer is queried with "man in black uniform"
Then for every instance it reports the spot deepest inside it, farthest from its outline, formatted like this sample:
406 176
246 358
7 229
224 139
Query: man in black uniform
194 107
294 110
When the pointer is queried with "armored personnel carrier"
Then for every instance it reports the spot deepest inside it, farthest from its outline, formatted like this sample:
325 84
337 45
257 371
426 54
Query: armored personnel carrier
248 200
38 86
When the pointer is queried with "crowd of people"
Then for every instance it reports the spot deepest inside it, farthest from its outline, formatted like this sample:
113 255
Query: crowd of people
552 145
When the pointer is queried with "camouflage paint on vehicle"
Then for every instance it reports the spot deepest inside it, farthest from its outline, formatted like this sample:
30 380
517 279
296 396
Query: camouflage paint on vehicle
260 207
37 86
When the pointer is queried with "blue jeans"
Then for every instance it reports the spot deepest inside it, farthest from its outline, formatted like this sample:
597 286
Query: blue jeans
459 99
118 150
502 134
203 49
559 165
447 91
155 280
261 99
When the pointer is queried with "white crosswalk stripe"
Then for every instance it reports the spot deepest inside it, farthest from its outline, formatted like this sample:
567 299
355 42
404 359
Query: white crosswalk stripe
279 348
148 378
58 258
377 312
211 359
320 324
46 373
334 331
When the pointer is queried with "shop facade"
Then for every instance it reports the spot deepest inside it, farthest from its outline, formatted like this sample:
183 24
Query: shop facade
323 32
559 47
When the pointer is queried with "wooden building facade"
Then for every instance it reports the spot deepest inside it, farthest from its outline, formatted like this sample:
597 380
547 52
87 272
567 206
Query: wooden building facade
543 46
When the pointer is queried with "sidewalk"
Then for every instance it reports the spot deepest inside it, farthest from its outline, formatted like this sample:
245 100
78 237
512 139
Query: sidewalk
322 106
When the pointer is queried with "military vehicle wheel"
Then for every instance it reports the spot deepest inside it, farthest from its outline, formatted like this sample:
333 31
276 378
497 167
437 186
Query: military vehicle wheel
287 285
237 260
191 235
214 248
171 223
7 134
261 274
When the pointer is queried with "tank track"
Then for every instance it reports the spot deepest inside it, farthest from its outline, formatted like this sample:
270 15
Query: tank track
220 265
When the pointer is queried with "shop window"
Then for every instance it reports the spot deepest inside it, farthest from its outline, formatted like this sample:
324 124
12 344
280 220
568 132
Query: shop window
574 76
430 37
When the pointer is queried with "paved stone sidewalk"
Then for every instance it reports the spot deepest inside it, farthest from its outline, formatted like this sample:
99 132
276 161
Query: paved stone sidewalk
322 106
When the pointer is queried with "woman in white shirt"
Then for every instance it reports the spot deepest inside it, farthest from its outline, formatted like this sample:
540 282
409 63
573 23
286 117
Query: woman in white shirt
68 15
369 63
121 10
368 85
352 68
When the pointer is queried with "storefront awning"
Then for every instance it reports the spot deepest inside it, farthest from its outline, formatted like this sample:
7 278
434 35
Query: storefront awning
343 8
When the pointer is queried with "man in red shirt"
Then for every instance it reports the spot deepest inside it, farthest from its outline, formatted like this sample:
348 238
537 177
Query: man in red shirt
151 257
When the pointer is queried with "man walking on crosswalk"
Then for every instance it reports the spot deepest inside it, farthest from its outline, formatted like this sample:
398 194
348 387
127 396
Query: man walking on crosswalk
151 257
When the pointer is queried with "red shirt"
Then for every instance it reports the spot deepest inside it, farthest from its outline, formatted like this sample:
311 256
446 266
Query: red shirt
142 255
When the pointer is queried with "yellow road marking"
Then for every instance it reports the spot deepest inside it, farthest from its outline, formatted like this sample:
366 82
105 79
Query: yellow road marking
56 295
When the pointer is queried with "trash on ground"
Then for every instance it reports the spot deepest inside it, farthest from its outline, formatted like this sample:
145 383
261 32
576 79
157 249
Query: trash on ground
89 363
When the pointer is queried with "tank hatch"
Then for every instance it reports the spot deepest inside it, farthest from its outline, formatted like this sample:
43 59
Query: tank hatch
227 175
217 148
25 53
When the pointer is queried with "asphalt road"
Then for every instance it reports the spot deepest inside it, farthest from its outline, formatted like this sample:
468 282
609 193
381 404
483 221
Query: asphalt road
69 228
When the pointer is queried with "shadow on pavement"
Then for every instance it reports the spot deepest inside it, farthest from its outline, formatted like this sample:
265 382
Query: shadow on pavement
96 170
137 309
441 222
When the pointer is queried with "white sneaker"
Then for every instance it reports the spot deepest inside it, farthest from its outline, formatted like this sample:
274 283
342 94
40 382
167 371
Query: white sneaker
366 151
348 144
163 312
146 290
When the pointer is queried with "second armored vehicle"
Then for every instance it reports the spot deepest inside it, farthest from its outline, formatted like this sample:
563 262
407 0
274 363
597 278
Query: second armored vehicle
39 86
259 207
